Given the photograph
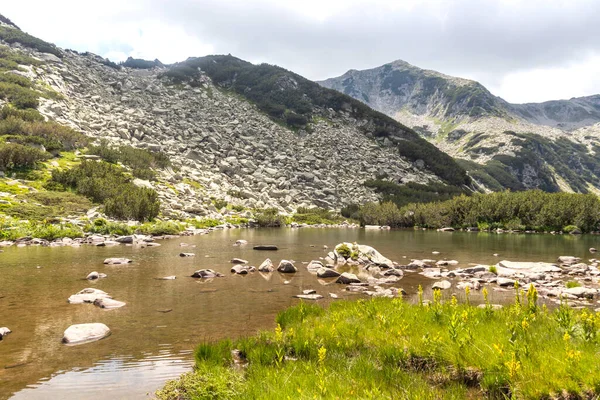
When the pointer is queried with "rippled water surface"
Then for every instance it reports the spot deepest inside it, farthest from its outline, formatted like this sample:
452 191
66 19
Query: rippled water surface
148 345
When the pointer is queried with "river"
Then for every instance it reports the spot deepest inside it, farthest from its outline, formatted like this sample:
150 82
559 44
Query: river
150 344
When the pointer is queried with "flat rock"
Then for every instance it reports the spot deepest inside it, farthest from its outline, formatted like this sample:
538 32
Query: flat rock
167 278
240 242
238 261
347 278
309 296
315 265
108 304
87 295
309 291
581 292
505 282
187 254
286 267
265 247
117 261
568 260
442 285
85 333
529 266
266 266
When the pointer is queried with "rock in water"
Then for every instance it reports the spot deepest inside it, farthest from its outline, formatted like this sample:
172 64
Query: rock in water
93 276
442 285
265 247
286 267
108 304
309 296
206 273
4 331
347 278
85 333
241 242
327 273
117 261
238 261
186 254
266 266
88 295
167 278
239 269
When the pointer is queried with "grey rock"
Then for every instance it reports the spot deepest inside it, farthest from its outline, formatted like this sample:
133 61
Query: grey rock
327 273
442 285
238 261
4 331
309 296
286 267
265 247
117 261
206 274
108 304
266 266
87 295
187 255
85 333
92 276
347 278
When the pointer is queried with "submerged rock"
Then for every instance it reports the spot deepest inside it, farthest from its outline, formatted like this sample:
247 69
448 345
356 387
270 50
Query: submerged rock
240 242
167 278
117 261
313 296
187 255
286 267
108 303
85 333
88 295
238 261
206 273
265 247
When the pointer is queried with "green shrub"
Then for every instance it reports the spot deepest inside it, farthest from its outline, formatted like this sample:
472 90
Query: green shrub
570 228
344 251
28 114
572 284
101 226
107 184
12 35
220 203
493 269
39 206
161 228
19 96
268 217
13 155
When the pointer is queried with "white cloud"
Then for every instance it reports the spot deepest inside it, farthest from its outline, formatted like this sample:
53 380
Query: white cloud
523 50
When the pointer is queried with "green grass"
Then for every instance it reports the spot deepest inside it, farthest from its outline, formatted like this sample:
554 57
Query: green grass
389 349
316 216
572 284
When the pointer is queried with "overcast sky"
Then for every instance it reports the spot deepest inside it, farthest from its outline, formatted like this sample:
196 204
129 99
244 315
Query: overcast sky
523 51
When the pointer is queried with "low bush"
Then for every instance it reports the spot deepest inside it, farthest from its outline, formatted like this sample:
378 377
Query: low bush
12 35
269 217
107 184
14 155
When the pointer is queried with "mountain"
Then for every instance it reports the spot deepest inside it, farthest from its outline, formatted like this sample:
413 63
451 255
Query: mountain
254 136
550 145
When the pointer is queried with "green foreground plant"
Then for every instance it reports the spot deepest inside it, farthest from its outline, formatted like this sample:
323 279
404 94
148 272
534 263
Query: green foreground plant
388 349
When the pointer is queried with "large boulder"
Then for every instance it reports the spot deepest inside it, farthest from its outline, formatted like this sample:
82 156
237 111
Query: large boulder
568 260
85 333
364 254
583 292
286 267
442 285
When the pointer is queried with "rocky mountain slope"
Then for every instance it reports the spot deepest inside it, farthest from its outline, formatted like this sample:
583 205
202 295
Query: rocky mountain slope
223 145
549 145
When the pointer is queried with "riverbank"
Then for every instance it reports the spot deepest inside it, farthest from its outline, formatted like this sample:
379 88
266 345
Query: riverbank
387 348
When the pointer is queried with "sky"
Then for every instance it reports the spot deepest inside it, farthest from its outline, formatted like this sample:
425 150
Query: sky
521 50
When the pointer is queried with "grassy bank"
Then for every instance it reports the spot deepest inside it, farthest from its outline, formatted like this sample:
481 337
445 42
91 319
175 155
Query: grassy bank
388 349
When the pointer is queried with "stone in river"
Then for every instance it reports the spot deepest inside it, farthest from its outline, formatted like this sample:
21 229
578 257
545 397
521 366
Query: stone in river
239 269
266 266
87 295
206 273
108 304
85 333
117 261
286 267
309 291
347 278
505 282
309 296
443 285
167 278
265 247
92 276
238 261
327 273
240 242
4 331
186 254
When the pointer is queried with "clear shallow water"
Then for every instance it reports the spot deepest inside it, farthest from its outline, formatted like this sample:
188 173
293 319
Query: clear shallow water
147 346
